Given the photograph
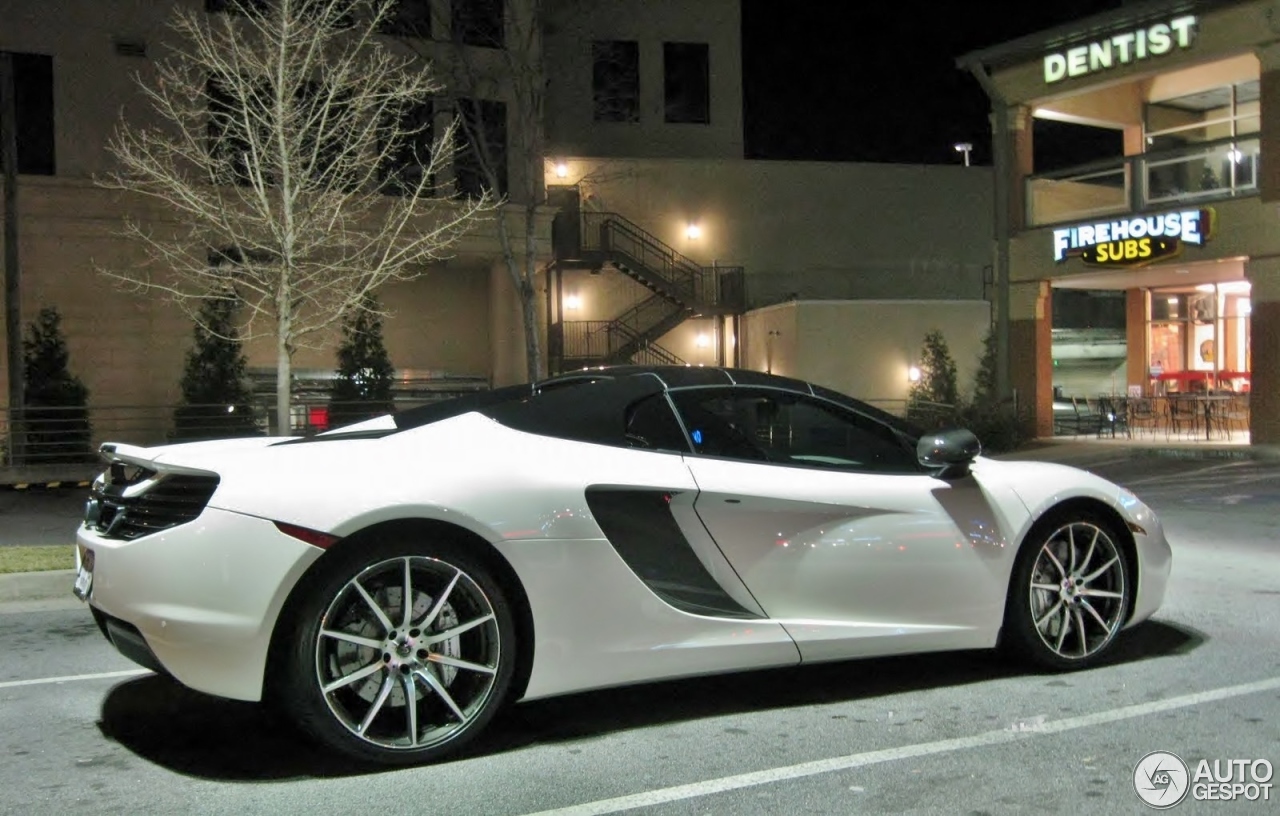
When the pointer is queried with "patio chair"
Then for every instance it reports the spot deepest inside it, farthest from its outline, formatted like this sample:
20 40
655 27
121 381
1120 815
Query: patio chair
1113 416
1143 415
1183 414
1088 419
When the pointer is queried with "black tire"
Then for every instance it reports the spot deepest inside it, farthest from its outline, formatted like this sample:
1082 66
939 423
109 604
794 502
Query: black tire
350 660
1069 594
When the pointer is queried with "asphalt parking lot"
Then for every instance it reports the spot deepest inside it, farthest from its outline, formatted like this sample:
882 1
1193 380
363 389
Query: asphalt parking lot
965 733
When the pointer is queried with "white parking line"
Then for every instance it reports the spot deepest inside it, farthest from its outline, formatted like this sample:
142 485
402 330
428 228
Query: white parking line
844 763
71 678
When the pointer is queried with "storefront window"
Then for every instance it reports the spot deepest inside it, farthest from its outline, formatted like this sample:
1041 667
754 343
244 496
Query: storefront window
1204 116
1199 338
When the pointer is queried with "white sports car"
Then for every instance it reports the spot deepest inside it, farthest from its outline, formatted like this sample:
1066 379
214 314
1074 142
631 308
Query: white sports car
392 584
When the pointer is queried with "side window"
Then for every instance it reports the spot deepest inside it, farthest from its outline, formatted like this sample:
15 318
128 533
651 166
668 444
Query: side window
651 425
789 429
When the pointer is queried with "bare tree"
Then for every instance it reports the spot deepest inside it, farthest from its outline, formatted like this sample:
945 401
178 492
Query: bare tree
292 152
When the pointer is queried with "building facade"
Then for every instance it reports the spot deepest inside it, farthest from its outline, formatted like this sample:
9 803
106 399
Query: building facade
653 238
1177 225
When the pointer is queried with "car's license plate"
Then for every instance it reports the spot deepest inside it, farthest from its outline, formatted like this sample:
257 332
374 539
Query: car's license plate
84 572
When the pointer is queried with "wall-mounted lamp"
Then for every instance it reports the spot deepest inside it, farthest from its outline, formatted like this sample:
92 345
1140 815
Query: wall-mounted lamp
572 302
703 341
965 148
692 231
913 374
562 169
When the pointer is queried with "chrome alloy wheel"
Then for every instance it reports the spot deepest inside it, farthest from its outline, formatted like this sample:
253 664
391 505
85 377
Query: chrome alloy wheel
1078 591
408 652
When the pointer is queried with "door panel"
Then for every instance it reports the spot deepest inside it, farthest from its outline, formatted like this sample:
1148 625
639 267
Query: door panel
847 560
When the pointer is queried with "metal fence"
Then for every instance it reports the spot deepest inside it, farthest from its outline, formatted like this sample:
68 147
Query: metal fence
50 437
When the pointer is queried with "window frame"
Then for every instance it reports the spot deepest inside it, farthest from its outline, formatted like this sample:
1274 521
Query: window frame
35 125
399 24
676 104
495 134
615 86
910 464
481 35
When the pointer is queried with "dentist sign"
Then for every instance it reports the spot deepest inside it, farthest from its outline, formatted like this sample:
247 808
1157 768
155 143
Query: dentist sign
1120 49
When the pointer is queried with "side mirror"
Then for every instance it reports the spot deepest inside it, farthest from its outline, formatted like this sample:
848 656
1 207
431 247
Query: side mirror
948 452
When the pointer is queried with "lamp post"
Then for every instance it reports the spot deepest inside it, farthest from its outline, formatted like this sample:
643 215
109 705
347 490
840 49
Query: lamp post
965 148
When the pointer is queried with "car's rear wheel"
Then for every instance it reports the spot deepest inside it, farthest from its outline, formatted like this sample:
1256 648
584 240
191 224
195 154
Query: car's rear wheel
401 652
1069 594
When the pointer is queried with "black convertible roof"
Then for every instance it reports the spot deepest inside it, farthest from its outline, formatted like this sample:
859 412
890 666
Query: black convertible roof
590 405
587 404
682 376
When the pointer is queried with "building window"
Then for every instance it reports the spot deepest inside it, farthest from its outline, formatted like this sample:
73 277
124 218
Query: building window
482 147
478 22
33 106
229 140
408 18
687 83
615 80
1199 338
236 6
407 161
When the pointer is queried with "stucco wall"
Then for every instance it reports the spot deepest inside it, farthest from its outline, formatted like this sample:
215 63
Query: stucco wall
864 348
810 229
575 24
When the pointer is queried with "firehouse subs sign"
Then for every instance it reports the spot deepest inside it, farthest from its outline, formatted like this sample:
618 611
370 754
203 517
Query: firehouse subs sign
1135 241
1120 49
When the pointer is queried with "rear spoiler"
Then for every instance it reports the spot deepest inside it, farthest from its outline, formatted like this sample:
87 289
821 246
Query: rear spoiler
136 456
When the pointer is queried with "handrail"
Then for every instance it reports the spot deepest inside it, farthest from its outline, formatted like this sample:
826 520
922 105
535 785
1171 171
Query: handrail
1143 180
610 340
610 232
1100 165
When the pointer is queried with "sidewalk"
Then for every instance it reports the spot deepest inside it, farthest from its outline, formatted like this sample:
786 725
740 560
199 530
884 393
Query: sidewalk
1072 449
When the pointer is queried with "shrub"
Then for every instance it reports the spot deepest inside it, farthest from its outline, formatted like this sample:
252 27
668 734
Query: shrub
932 401
362 388
216 399
57 416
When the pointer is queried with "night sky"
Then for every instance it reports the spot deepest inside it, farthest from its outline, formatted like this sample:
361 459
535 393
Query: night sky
877 81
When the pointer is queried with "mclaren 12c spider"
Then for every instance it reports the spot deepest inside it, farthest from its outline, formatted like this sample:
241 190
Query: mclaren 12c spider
390 585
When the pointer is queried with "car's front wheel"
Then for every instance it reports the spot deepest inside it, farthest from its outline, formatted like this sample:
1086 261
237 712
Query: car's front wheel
1069 594
401 652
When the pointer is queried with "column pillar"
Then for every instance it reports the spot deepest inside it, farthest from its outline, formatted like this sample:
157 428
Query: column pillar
1264 350
1137 372
1269 124
1031 347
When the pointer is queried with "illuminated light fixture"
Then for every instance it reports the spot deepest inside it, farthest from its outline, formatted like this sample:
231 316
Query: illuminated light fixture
692 230
572 302
1235 155
703 341
1245 306
965 148
1173 301
913 374
562 169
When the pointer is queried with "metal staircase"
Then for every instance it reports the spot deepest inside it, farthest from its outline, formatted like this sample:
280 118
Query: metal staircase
680 289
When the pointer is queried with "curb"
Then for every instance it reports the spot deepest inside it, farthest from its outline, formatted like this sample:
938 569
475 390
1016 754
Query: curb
36 586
